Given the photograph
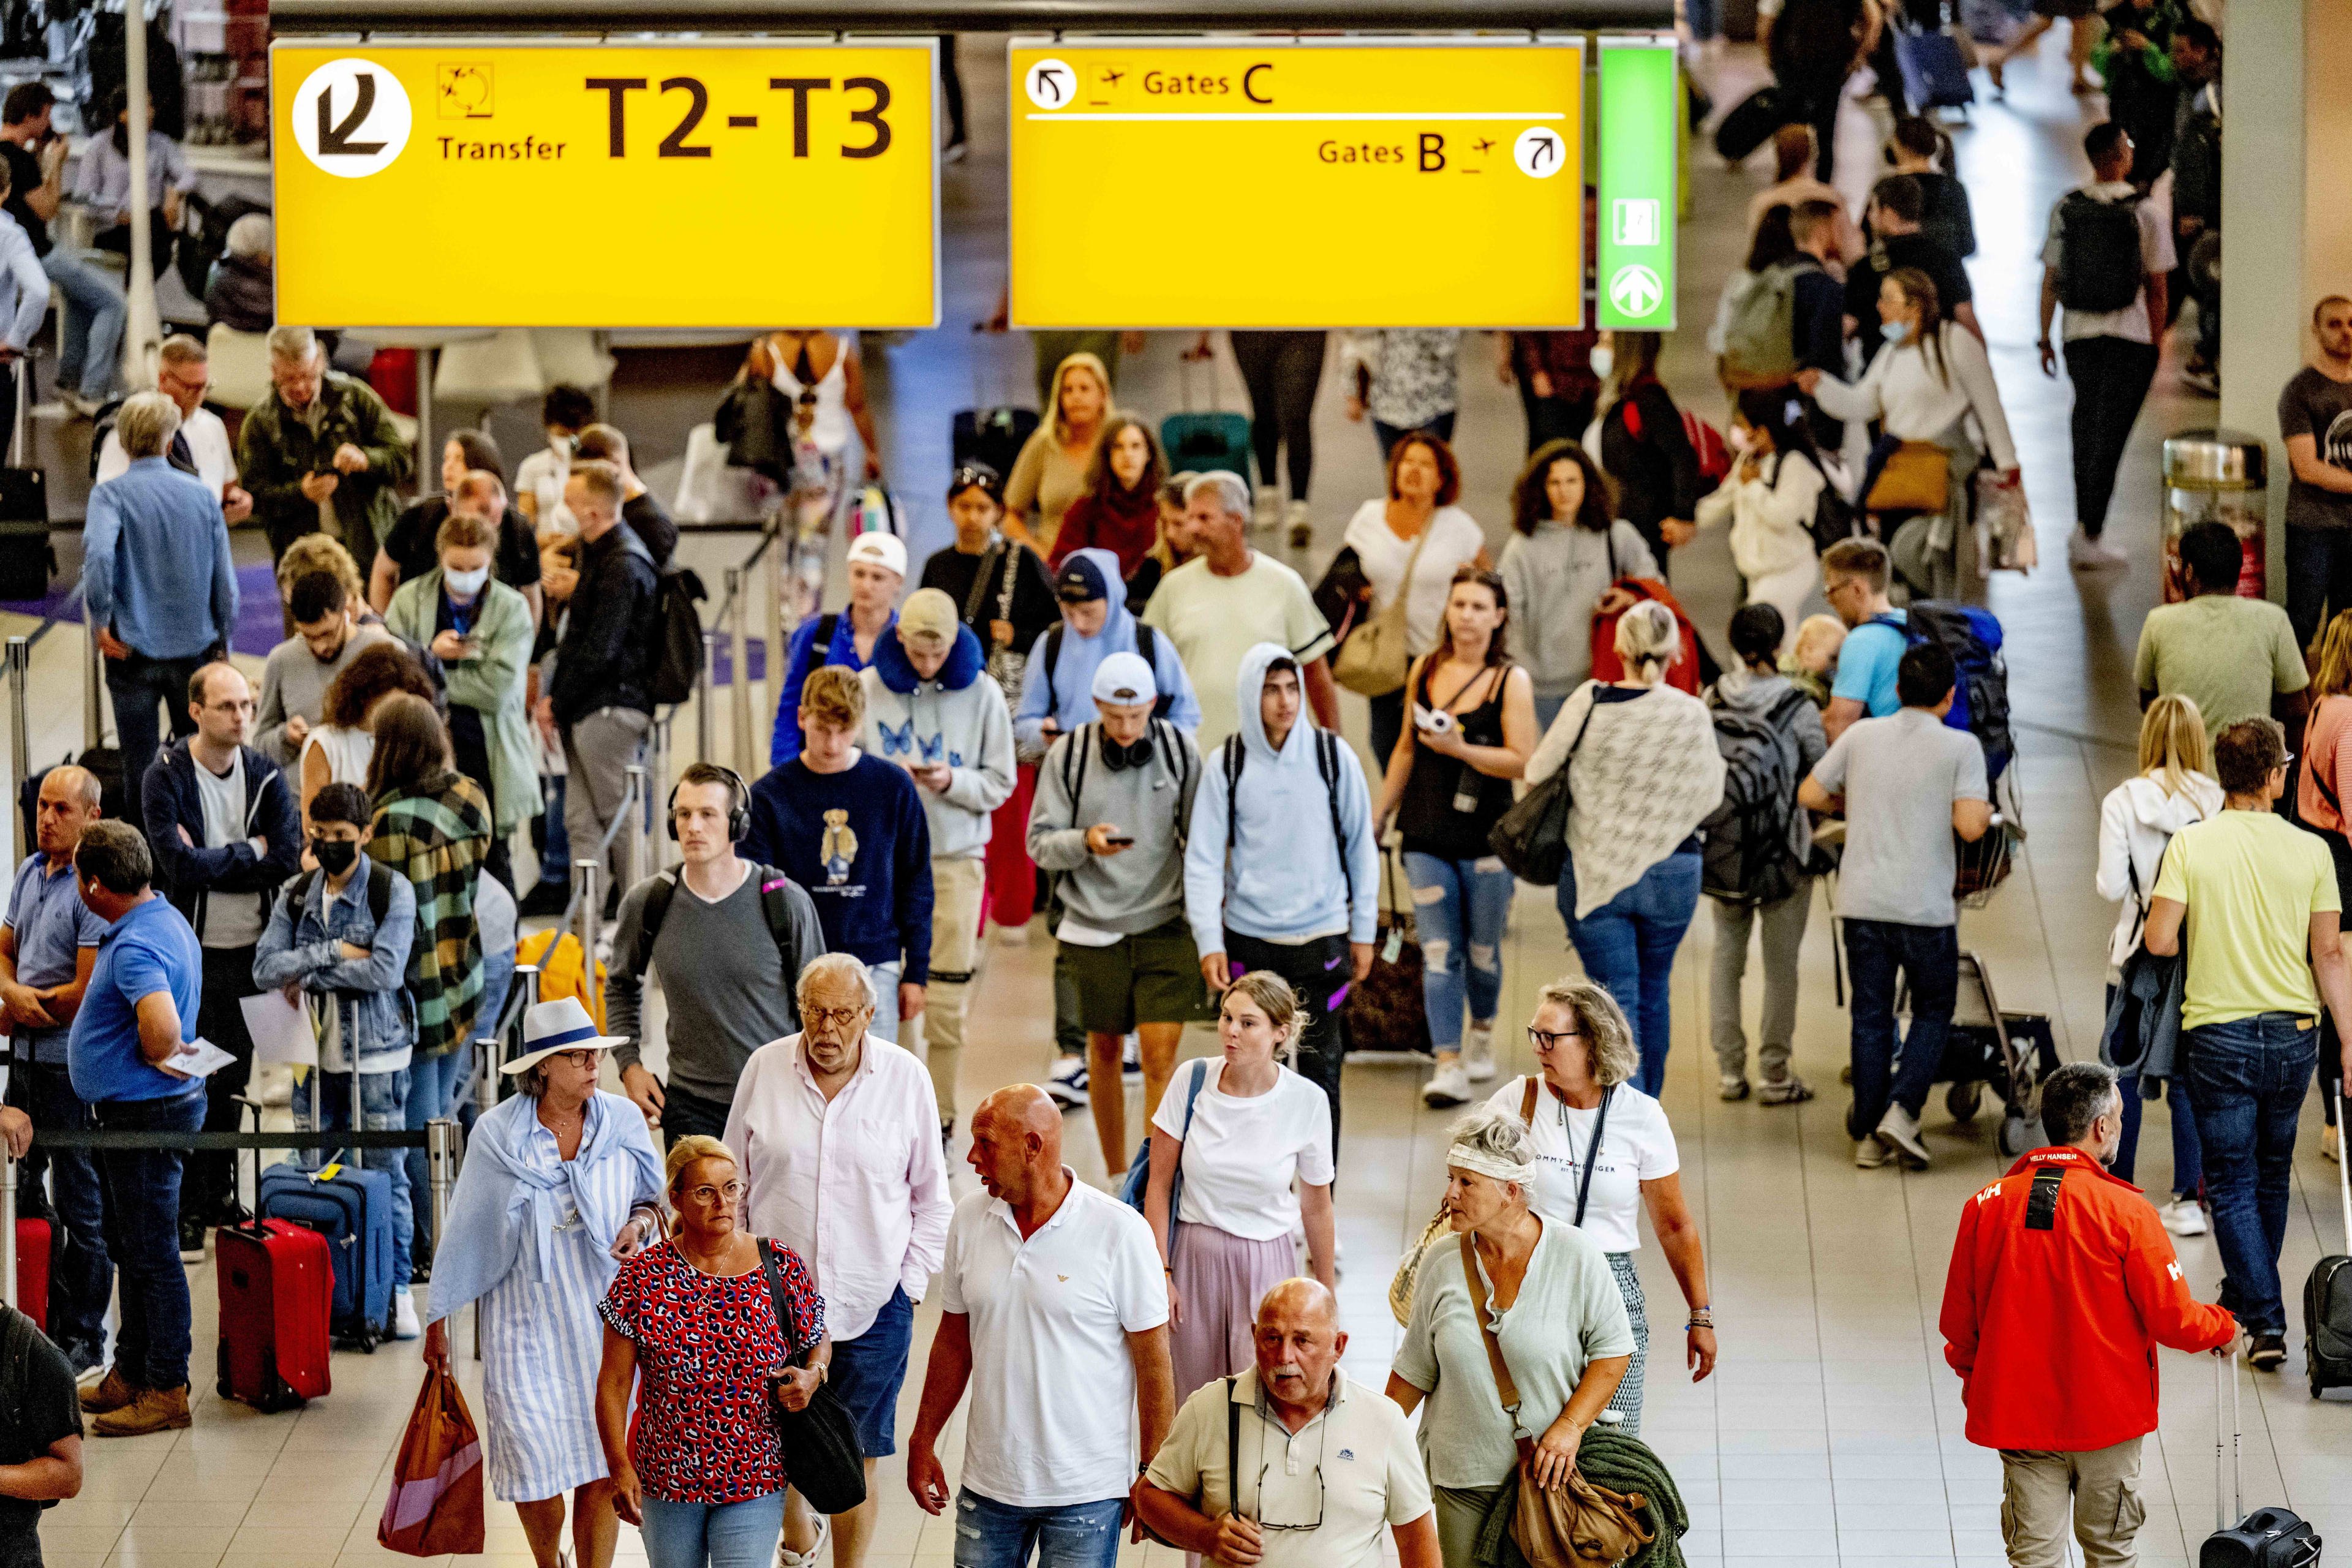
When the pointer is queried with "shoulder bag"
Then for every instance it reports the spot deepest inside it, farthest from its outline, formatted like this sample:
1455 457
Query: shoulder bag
1531 838
1138 1180
1373 662
1006 663
820 1442
1581 1524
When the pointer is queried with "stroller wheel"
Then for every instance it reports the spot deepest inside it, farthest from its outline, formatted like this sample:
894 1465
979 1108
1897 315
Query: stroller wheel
2014 1137
1964 1099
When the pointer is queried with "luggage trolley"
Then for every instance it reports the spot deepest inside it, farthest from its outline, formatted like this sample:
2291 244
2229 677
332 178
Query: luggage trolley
2011 1053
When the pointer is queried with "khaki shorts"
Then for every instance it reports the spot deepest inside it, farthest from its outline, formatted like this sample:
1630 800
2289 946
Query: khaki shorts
1151 977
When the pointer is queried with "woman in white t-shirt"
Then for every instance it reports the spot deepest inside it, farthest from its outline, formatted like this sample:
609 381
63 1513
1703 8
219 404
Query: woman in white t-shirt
1585 1049
338 748
1241 1128
1419 515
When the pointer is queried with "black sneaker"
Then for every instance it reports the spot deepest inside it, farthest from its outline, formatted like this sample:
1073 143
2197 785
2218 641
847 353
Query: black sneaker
192 1240
2266 1353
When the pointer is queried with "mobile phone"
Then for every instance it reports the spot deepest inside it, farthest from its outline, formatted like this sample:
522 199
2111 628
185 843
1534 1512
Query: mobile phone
1122 840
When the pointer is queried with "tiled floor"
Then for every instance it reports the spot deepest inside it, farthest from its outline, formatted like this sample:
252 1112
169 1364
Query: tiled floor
1832 1431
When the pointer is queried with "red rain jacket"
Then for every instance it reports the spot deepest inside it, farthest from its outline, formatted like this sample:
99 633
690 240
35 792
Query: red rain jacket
2063 1284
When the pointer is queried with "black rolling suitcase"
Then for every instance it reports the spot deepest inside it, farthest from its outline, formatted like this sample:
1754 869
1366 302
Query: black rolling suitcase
26 561
2266 1538
2327 1300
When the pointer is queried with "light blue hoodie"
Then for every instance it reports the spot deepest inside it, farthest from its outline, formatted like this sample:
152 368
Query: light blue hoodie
1286 880
1071 702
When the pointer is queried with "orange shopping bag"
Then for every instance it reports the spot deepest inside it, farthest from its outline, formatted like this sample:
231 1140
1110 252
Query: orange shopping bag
436 1507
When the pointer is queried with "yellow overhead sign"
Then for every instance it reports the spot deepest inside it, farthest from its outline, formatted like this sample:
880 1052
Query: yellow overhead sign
454 183
1273 183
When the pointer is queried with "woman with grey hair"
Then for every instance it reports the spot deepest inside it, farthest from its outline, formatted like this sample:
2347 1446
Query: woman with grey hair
1603 1152
560 1185
1559 1324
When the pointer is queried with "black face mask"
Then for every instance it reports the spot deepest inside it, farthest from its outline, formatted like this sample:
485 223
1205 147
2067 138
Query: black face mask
334 855
1116 756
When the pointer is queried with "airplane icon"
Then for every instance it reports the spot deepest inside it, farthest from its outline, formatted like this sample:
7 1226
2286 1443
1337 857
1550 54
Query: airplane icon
1483 144
1113 78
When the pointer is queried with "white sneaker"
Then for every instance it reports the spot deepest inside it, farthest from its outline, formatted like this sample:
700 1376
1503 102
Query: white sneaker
1900 1128
1448 1086
1068 1082
1478 1053
1872 1152
1294 514
405 1325
2184 1217
788 1558
1732 1086
1014 936
1266 510
2086 553
1131 1057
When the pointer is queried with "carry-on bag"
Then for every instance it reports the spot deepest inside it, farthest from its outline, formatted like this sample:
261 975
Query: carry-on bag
36 1244
1385 1012
276 1291
351 1208
2266 1538
26 560
2327 1297
1935 71
991 434
436 1506
1200 443
1750 124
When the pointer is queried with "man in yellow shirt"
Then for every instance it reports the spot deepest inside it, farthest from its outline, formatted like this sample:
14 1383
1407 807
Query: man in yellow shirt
2253 899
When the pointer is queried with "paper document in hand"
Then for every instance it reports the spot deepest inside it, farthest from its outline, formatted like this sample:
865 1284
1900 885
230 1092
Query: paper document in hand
281 1029
199 1058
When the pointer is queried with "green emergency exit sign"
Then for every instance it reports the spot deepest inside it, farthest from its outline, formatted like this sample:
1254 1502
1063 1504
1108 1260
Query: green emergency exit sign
1640 96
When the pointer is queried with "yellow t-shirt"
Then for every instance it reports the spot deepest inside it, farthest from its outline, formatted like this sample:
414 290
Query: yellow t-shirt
2252 881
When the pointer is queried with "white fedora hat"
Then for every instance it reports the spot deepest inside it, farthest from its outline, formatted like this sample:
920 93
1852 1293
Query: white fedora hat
562 1025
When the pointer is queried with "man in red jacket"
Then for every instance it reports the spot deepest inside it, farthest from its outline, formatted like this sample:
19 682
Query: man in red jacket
2063 1284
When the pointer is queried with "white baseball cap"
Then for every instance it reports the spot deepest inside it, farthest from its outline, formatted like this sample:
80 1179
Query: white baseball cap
884 550
1125 678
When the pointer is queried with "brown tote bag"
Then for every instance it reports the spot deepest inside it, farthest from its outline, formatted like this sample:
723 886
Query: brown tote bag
1917 478
1373 662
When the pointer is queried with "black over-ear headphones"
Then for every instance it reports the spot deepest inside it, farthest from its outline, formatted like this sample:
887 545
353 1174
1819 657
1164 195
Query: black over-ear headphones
738 806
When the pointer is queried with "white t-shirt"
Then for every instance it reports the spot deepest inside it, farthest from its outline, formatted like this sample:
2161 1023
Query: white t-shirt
1243 1152
1637 1146
231 919
1454 538
2156 255
1215 620
542 476
207 440
348 751
1052 1385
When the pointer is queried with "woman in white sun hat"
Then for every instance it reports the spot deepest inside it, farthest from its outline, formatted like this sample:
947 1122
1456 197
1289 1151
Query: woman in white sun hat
559 1183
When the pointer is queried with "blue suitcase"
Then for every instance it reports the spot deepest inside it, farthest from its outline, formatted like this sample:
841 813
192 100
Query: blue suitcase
352 1209
1200 443
1934 73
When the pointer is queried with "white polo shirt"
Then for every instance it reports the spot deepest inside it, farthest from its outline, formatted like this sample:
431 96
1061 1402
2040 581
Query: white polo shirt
207 440
1354 1464
1052 1385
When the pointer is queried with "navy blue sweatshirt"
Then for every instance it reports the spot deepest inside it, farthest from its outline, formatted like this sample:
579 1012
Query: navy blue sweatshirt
859 841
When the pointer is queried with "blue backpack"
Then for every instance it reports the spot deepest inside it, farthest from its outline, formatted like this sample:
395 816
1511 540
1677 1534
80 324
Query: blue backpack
1980 688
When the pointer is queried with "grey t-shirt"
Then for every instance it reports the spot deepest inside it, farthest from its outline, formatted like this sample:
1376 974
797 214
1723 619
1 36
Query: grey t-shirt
1900 776
2314 406
729 988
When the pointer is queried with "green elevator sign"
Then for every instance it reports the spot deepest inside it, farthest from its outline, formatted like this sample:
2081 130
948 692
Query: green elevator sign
1640 96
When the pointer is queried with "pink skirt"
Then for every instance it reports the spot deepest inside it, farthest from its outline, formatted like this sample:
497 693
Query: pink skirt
1220 1280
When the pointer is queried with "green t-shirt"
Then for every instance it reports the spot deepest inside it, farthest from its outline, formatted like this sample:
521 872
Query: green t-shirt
2252 881
2226 654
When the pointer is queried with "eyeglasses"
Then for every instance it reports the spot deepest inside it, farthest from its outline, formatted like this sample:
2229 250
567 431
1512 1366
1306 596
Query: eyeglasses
1546 1039
970 474
843 1017
706 1193
582 1058
1267 1468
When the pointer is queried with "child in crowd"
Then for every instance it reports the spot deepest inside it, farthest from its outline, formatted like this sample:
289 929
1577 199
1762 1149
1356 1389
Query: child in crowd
339 936
1811 664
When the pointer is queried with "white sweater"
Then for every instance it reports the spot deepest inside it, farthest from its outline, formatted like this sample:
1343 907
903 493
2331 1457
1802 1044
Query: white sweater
2136 820
1771 515
1903 389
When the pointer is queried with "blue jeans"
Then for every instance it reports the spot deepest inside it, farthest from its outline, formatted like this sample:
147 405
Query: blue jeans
434 1083
142 1236
869 1371
2187 1158
96 311
1459 907
720 1535
138 685
885 1021
84 1280
2318 577
991 1534
2247 1078
324 1104
1628 948
555 850
1929 957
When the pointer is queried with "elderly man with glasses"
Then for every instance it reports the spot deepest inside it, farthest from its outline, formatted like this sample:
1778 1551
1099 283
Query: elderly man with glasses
1292 1461
183 374
320 453
838 1138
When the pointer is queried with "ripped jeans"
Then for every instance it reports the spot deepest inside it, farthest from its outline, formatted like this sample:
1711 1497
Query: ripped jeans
1459 908
991 1534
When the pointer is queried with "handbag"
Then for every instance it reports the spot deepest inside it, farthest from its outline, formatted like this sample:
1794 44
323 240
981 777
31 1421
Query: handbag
436 1506
820 1442
1916 476
1374 661
1006 665
1531 838
1138 1180
1581 1524
2008 524
1385 1012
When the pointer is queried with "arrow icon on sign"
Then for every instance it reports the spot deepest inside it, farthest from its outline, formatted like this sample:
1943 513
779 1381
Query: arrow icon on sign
1635 290
336 139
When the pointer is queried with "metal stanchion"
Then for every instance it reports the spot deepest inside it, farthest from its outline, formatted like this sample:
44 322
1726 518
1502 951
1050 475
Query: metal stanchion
633 852
662 782
588 904
738 627
441 1143
779 623
703 698
7 1227
93 727
20 739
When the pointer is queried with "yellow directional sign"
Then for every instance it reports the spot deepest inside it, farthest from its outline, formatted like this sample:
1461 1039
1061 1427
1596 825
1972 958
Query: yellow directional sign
454 183
1273 183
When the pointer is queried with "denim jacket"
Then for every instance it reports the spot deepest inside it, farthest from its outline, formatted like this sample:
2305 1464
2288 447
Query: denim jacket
372 1001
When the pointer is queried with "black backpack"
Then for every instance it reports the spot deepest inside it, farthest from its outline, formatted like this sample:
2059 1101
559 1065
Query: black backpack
2099 265
1327 763
2197 166
1749 857
678 635
1147 647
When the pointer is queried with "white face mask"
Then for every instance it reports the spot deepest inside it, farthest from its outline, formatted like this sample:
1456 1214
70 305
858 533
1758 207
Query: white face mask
466 585
1604 360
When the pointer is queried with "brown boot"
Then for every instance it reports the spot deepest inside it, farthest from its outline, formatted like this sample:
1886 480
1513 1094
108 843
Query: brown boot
115 1391
155 1410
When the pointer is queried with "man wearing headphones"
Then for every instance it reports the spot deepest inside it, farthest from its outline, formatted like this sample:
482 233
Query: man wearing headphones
730 952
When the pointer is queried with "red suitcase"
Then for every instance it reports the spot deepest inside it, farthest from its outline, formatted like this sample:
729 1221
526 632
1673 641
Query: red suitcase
34 1242
277 1282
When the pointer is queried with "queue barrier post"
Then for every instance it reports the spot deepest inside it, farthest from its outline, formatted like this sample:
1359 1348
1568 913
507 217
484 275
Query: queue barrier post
588 906
633 841
7 1227
703 698
20 738
93 724
779 628
738 626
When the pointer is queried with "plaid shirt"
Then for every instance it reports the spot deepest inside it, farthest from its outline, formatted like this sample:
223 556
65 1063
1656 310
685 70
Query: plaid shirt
438 837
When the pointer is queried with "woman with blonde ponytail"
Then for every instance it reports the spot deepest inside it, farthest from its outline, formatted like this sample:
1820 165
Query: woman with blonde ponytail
1644 772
